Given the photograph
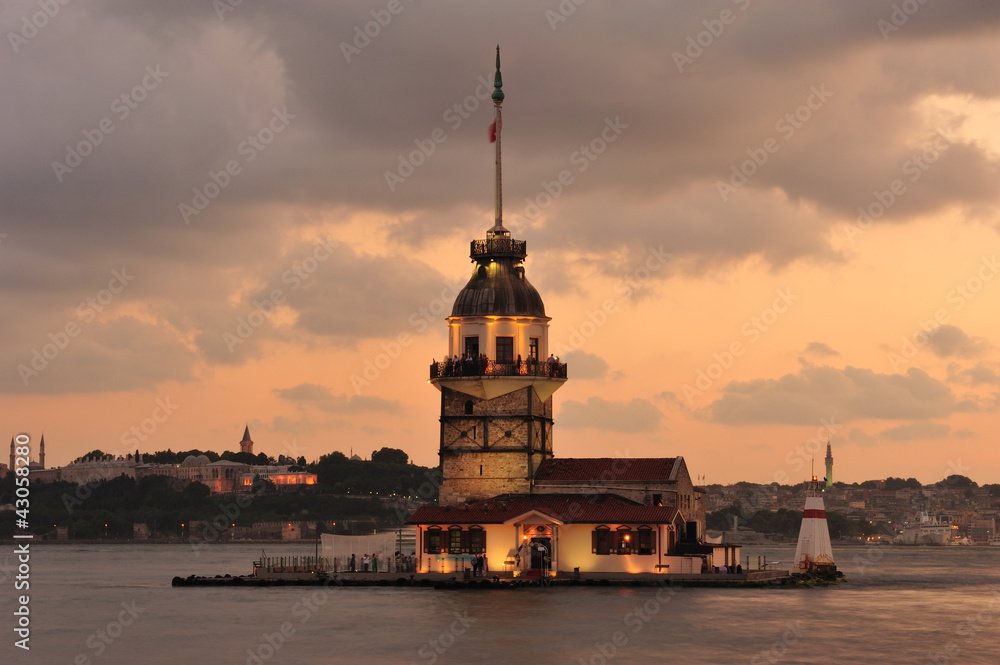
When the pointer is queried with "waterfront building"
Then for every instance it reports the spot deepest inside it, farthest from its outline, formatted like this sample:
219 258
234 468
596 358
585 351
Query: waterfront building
503 491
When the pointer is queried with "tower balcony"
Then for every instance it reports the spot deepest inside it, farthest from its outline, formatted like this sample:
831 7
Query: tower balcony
498 247
486 379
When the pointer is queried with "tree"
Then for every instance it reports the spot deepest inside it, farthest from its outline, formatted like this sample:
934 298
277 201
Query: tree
390 456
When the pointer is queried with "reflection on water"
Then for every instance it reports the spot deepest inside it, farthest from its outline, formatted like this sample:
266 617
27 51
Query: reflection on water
901 605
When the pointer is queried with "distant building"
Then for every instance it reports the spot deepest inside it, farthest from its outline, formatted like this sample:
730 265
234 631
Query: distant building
221 477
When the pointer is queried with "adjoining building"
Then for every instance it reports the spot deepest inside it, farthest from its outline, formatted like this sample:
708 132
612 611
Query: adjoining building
503 492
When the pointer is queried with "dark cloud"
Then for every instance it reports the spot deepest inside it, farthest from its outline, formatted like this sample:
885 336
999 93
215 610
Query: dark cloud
586 365
979 374
848 394
820 349
324 399
636 415
947 341
643 156
918 431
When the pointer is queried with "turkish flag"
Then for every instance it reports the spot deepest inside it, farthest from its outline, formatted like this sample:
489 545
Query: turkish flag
493 132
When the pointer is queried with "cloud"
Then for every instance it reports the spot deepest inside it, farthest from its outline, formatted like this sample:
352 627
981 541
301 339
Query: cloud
821 392
636 415
586 365
949 340
820 349
323 398
966 433
980 374
917 431
861 438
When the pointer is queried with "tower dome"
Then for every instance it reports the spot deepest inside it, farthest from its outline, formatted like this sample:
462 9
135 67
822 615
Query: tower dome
498 286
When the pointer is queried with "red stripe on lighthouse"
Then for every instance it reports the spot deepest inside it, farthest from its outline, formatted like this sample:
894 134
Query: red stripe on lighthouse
814 514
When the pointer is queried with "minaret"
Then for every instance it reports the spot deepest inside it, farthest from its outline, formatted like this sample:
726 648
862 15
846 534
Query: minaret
41 452
496 399
829 466
246 445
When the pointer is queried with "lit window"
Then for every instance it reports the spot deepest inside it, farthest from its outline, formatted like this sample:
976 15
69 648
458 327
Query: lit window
625 538
455 540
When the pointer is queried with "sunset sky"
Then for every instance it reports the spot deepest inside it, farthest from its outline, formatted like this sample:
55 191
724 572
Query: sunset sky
753 222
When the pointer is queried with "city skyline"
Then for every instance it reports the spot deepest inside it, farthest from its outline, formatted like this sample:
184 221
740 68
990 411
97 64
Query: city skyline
755 226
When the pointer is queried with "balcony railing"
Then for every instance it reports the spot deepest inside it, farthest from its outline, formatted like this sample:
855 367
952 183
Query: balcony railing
499 247
486 367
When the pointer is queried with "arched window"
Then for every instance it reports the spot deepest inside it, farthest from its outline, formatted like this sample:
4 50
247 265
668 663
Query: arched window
468 408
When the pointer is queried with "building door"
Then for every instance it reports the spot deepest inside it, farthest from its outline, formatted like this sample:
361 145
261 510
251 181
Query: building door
471 347
541 549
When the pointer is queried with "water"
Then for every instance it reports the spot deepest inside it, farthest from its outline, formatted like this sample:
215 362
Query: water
903 605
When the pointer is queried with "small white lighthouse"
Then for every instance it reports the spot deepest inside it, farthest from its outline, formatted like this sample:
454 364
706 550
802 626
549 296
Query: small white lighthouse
813 553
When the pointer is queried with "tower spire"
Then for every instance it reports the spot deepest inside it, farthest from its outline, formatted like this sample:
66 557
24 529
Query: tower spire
497 126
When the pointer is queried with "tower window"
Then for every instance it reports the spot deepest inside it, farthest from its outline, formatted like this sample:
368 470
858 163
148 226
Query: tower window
472 347
468 407
533 348
481 271
505 350
480 469
657 499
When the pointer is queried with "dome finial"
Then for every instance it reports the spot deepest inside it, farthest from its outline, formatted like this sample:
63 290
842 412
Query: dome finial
498 81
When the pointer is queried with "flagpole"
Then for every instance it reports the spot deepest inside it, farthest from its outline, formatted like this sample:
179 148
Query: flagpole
497 101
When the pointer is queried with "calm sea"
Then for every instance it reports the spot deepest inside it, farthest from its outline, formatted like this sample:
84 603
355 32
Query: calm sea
114 604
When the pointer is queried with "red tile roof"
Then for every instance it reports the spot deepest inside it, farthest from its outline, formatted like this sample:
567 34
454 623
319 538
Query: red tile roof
587 508
607 469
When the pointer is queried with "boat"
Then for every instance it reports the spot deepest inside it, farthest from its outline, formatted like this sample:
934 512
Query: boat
928 531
